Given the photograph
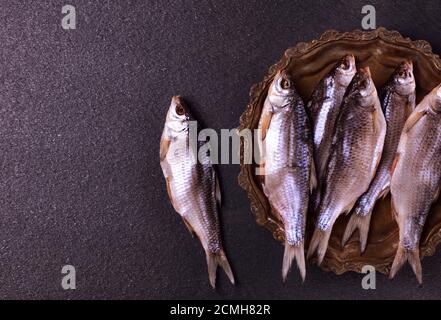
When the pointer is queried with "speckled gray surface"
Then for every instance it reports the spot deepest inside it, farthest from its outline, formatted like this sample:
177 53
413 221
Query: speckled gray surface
81 115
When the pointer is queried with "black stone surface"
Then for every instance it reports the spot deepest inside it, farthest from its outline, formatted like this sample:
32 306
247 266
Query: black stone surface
81 114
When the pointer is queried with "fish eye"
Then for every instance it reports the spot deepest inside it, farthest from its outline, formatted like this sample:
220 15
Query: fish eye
180 111
402 74
285 84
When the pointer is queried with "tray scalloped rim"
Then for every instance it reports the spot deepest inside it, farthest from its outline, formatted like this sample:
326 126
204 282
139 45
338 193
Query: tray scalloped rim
245 178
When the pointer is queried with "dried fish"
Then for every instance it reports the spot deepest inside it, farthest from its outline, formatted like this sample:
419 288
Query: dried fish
416 178
355 154
192 186
398 102
324 109
287 164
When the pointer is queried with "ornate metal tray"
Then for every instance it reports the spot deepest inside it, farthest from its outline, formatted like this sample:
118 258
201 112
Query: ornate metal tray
381 50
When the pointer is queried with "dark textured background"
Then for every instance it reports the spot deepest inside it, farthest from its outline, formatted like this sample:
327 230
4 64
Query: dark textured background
81 113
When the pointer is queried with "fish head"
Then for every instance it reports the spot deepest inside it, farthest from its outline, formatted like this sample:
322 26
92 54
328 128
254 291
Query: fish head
404 79
345 70
178 116
363 87
281 90
435 99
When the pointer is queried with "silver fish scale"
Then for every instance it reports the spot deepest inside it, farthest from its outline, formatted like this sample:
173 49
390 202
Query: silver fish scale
193 186
325 107
394 107
420 164
288 168
350 165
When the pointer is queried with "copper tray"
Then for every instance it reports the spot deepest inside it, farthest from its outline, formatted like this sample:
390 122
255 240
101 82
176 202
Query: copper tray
382 50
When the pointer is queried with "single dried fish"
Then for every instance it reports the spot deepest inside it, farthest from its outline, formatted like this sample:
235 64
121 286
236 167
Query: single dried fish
356 151
398 102
287 164
416 178
324 109
192 186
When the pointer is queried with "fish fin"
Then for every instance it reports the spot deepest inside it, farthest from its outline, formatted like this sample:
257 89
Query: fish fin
218 259
348 208
319 243
413 257
384 193
312 177
361 223
322 167
217 191
163 150
292 252
265 121
163 147
413 120
394 164
189 227
437 192
170 194
172 201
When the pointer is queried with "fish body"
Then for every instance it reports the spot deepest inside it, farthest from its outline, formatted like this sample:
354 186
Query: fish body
398 102
288 164
416 178
357 146
192 186
324 108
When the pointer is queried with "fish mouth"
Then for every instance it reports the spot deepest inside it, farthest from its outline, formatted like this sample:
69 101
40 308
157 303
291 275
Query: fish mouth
365 77
407 67
408 64
178 101
404 72
365 71
362 82
283 74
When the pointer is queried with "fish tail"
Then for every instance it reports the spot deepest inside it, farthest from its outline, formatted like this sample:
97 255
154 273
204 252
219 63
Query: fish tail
291 252
361 223
319 243
218 259
403 255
